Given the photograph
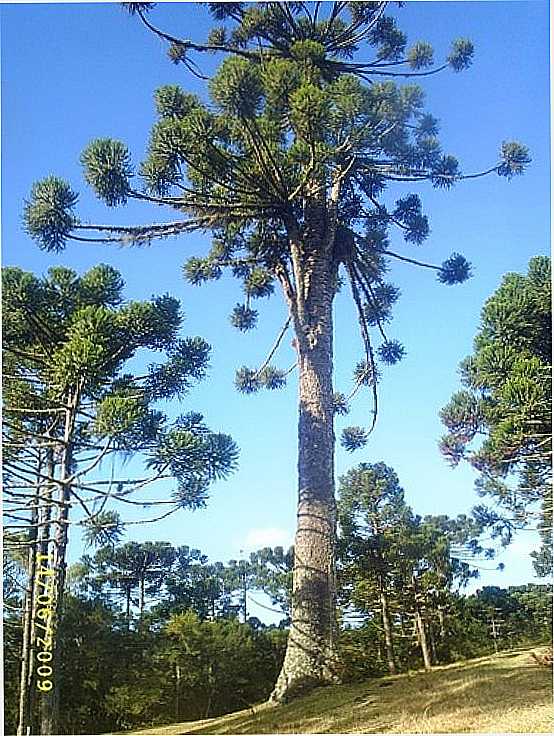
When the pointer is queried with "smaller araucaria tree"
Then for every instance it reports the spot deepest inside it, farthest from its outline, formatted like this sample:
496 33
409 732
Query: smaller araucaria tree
397 563
506 401
70 405
372 514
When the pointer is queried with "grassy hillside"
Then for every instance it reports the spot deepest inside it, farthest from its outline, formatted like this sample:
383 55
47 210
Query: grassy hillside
506 693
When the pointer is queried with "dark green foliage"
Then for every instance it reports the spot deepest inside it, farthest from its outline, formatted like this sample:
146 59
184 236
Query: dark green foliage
461 56
389 554
171 102
353 438
378 310
247 380
195 457
358 647
100 285
188 360
507 401
221 11
272 571
455 270
366 374
134 8
391 352
12 638
91 333
420 56
272 378
294 103
258 283
49 214
244 318
197 270
104 527
237 87
515 158
107 166
225 665
340 404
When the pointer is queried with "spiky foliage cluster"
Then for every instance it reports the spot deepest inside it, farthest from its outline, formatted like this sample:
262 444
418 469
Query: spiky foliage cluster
105 527
70 335
49 217
506 400
305 112
248 381
353 438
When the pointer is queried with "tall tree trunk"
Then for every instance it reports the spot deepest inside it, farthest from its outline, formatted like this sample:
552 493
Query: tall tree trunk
310 655
26 672
387 628
50 702
422 634
45 557
420 625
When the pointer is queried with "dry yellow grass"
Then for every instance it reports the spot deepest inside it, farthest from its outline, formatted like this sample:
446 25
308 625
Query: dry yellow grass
506 693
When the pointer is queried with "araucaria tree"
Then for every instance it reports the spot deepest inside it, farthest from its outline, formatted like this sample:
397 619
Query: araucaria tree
70 404
507 403
286 165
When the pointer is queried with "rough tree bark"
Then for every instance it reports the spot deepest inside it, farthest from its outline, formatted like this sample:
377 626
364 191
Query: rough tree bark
311 648
50 702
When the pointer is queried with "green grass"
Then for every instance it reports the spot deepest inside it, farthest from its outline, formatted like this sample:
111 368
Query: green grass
505 693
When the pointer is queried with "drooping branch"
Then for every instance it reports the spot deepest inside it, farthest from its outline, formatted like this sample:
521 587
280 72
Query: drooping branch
364 329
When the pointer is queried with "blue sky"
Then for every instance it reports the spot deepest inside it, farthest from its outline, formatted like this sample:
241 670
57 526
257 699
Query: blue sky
74 72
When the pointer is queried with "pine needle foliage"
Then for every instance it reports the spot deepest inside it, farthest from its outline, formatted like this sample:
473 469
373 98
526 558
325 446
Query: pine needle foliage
293 112
506 402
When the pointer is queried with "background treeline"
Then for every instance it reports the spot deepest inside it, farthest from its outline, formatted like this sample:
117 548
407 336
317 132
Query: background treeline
146 633
152 634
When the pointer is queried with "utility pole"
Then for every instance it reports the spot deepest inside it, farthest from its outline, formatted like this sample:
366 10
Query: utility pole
495 624
243 579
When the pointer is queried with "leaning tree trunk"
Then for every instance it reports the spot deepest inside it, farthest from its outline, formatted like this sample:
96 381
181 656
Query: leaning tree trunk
422 633
310 655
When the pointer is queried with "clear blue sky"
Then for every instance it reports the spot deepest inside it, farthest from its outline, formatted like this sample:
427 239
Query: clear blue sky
73 72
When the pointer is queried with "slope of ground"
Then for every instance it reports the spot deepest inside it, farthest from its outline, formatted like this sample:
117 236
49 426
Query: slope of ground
505 693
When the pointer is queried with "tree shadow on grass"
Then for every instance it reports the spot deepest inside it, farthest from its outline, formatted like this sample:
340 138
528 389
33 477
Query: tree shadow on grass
453 694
